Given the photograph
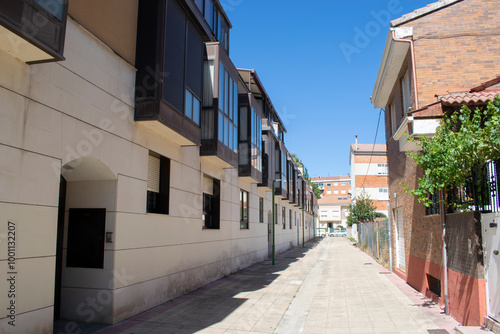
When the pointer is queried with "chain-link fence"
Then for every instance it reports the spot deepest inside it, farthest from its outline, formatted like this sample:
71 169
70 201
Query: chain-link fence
374 239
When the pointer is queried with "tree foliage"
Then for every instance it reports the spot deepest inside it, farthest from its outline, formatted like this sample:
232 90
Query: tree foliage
315 187
361 211
463 141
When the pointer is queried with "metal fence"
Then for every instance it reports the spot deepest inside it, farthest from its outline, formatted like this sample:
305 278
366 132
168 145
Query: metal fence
374 239
480 192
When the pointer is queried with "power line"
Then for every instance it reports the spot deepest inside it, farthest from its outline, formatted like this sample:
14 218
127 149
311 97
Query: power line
373 148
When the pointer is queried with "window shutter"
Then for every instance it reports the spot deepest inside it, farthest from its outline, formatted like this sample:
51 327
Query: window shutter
154 174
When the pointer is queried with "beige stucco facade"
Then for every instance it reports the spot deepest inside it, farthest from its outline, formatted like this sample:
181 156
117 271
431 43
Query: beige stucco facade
75 118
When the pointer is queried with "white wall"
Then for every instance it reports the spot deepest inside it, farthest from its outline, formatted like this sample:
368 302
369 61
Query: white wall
78 113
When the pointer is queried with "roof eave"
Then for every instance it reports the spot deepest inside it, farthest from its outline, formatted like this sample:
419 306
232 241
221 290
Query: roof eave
392 61
423 11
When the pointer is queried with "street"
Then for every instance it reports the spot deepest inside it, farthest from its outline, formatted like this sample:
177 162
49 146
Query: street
329 286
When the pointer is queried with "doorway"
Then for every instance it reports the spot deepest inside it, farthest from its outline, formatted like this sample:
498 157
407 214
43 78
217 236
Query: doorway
491 245
59 248
400 240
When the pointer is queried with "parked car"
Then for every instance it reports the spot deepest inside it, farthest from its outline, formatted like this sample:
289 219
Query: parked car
338 234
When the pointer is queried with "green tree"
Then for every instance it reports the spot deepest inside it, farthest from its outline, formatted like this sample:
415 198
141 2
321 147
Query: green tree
361 211
317 192
315 187
465 141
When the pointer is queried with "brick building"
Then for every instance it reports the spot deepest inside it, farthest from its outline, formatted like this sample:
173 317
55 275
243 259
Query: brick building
334 201
369 174
436 59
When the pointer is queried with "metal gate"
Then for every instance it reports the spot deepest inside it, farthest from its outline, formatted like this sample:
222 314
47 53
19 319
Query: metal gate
491 247
400 239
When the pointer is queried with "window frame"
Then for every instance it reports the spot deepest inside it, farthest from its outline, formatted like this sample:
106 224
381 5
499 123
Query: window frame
211 201
261 210
244 209
283 217
406 92
158 202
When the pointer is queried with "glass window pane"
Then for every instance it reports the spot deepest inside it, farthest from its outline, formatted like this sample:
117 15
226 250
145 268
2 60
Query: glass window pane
230 143
55 8
221 127
196 110
221 86
230 104
235 102
235 130
226 131
208 83
188 106
226 93
218 27
243 132
199 4
209 13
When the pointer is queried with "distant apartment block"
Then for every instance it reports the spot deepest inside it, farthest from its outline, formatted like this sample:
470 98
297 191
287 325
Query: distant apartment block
334 201
369 173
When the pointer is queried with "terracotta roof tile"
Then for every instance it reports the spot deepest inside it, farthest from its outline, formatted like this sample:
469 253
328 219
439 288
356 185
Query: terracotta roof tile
456 99
330 178
333 200
369 148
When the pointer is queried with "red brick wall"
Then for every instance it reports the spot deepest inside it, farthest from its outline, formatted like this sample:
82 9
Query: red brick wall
371 181
375 159
456 48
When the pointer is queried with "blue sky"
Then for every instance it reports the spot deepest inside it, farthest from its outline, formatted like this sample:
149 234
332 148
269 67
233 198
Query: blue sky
318 61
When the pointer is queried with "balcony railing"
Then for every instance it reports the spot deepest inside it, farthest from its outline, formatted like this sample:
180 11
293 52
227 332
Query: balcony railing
38 29
479 193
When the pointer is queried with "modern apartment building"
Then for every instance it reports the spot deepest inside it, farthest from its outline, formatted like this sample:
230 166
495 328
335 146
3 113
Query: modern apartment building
338 187
369 174
435 60
334 201
137 162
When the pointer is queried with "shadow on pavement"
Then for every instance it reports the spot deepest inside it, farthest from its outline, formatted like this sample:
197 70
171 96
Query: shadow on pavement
200 308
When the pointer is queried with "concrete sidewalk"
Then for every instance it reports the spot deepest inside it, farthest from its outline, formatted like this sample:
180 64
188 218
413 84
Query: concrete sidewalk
327 287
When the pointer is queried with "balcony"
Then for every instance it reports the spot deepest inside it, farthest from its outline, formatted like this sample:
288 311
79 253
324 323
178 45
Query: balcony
268 162
416 127
219 119
169 61
282 184
33 30
292 176
250 139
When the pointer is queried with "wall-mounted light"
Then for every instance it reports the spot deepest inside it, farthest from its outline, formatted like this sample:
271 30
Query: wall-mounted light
109 237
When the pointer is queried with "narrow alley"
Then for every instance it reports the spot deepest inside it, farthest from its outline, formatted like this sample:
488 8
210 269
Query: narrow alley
329 286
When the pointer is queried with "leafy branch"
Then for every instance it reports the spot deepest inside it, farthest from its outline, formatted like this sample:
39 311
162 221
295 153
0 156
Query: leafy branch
464 141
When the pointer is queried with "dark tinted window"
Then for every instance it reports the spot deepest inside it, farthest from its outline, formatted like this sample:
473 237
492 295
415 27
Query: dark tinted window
173 73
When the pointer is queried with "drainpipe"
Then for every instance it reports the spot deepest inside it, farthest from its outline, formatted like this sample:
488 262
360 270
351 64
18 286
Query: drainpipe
389 221
414 74
445 257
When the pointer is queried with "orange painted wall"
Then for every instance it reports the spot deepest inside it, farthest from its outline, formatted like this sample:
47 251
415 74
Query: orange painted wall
466 294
